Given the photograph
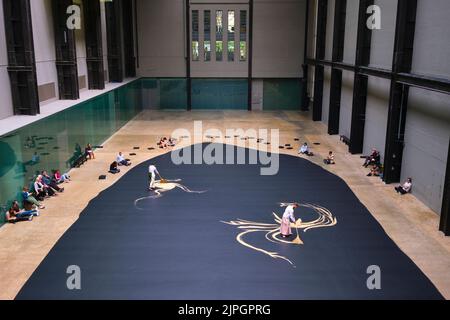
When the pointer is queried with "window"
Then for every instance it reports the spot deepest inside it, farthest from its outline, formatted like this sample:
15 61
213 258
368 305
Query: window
219 35
231 35
207 35
195 36
243 36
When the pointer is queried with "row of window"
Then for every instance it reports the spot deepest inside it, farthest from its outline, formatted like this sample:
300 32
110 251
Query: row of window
219 43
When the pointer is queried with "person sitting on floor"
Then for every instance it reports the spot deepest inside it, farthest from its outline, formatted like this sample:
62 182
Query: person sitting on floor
163 143
330 159
122 161
305 150
113 168
50 182
15 214
375 171
40 190
373 159
89 152
172 142
28 197
60 178
405 188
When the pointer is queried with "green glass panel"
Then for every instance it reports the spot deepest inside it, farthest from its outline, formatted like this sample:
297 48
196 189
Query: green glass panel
219 94
173 94
282 94
56 141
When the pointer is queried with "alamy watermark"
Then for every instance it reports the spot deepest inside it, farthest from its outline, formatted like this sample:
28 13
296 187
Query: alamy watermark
263 147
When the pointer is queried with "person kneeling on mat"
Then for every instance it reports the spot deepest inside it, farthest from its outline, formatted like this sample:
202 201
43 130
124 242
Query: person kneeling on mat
122 161
288 216
113 168
152 172
405 188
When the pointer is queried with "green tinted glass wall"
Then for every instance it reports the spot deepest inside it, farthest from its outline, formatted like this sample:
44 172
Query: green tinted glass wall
219 94
165 93
282 94
55 142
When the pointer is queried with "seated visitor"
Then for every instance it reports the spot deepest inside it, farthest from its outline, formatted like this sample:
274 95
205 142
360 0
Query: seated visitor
113 168
15 214
60 178
405 188
43 189
89 152
122 161
373 159
330 158
305 150
28 197
50 182
163 143
172 142
375 171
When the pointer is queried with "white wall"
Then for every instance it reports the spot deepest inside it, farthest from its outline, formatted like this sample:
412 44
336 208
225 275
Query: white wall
376 115
383 40
161 27
345 115
351 31
44 43
326 95
6 107
278 38
80 44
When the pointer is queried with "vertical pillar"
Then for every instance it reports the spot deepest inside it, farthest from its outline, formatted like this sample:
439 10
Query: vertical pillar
21 59
360 84
188 55
398 103
250 55
336 75
445 213
114 39
128 39
66 53
305 100
320 55
94 48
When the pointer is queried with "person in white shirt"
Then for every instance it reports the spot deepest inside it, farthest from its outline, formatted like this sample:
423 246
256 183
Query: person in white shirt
288 217
305 150
152 172
122 161
405 188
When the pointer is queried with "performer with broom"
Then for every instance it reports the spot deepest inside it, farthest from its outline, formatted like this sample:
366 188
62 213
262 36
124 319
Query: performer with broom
288 216
152 172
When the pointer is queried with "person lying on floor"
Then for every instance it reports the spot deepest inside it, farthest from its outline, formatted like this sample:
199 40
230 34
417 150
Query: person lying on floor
405 188
375 171
305 150
15 214
373 159
50 182
330 158
28 197
113 168
60 178
121 161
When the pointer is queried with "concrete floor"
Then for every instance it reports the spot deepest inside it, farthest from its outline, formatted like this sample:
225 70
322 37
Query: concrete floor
410 224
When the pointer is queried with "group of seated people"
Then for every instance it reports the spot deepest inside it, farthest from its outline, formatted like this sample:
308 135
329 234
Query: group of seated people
373 160
166 143
120 161
44 186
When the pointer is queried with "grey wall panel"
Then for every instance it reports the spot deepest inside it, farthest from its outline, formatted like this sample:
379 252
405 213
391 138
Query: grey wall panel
330 28
326 95
345 115
161 27
351 31
432 42
376 115
383 40
426 145
312 33
278 38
